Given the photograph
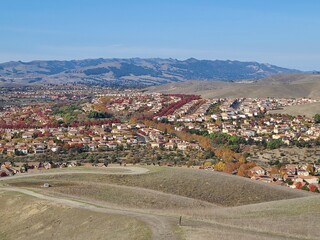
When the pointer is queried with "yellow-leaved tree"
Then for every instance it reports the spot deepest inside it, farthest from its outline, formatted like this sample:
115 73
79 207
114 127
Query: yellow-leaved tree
219 166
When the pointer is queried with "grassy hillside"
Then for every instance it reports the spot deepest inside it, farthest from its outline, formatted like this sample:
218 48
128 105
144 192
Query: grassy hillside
212 187
298 85
28 218
247 209
308 110
286 219
134 197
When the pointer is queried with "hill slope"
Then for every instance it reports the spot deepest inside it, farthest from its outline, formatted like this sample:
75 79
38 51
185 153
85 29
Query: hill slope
277 220
134 71
27 218
287 85
274 212
213 187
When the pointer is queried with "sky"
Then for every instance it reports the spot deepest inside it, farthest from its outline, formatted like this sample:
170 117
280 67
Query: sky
281 32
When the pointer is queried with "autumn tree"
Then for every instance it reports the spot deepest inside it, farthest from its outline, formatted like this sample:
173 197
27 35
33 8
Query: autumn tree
230 167
298 185
310 169
219 166
207 164
313 188
243 169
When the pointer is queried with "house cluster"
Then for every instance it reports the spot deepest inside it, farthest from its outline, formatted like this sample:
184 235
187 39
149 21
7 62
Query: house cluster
39 93
131 101
292 175
248 118
12 168
233 109
276 103
41 140
20 116
194 111
91 138
269 127
158 139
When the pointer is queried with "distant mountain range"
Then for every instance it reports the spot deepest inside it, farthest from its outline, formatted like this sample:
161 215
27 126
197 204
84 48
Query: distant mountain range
133 71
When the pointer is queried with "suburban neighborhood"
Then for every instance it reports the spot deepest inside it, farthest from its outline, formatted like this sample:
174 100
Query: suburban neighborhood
108 120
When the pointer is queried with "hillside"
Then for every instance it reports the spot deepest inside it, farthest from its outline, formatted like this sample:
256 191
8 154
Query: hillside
212 205
225 189
279 220
308 110
284 85
132 72
28 218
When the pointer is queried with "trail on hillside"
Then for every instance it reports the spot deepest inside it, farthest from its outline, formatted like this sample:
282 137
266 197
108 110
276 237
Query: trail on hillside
161 227
129 171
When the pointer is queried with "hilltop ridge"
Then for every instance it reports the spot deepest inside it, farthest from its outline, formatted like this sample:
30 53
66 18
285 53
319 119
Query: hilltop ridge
133 71
284 85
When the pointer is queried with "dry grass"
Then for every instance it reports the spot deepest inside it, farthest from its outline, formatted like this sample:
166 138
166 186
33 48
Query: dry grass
212 187
288 154
252 210
111 169
286 219
27 218
308 110
116 195
300 85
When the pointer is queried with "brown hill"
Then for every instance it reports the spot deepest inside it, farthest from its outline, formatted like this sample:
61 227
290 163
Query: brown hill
117 205
28 218
289 85
212 187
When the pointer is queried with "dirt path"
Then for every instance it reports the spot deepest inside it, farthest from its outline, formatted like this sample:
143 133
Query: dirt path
161 226
128 171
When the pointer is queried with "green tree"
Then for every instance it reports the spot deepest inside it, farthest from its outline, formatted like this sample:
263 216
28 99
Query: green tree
95 114
274 143
106 163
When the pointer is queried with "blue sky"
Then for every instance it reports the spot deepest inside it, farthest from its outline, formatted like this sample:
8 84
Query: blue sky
281 32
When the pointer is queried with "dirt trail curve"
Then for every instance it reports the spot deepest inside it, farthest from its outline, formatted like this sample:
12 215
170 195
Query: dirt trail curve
161 226
128 171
